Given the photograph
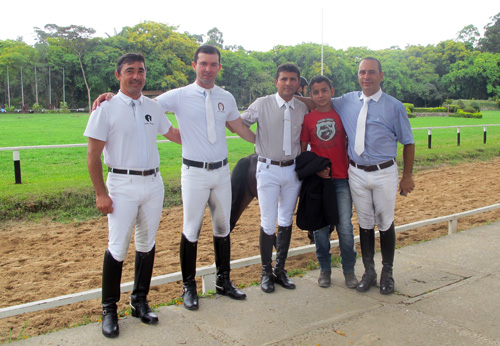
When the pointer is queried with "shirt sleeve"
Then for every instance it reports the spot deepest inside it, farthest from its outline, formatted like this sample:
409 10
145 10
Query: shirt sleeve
98 125
251 115
169 100
304 134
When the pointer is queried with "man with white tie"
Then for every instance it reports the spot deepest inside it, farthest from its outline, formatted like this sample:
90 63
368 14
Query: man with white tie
279 120
202 110
375 122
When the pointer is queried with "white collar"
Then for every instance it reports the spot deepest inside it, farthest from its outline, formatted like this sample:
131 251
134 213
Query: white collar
281 102
375 97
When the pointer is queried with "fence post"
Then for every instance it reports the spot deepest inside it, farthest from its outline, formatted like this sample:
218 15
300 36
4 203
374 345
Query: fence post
17 166
484 135
458 136
429 138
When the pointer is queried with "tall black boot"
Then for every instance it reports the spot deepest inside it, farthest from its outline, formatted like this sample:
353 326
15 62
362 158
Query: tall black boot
266 244
282 244
223 285
111 278
188 252
388 247
144 262
367 242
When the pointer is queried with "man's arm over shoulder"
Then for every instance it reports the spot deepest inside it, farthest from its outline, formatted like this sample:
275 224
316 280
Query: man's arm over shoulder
241 129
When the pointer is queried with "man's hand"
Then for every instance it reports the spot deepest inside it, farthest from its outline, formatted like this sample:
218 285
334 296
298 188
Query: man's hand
325 174
104 204
101 98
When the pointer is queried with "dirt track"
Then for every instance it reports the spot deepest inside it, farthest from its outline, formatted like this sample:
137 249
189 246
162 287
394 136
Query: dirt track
44 260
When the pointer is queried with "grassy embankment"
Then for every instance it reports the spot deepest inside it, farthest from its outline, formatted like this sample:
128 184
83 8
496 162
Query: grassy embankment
55 182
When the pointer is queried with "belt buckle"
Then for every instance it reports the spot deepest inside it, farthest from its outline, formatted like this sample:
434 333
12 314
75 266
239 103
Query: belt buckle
208 166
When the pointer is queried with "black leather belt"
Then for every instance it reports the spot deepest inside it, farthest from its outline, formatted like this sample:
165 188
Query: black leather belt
278 163
131 172
373 168
206 165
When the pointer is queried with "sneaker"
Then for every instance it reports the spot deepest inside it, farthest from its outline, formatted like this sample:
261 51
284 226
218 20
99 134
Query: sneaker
350 280
324 279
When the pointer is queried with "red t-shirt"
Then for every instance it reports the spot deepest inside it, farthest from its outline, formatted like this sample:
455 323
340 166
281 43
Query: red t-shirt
326 135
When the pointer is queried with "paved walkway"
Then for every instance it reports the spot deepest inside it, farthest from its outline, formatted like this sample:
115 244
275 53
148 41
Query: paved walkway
448 294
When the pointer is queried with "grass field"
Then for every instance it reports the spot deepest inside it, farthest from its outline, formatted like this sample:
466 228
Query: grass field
55 182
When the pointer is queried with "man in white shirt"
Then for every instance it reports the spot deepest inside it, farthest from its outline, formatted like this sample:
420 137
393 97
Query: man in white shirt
205 175
125 130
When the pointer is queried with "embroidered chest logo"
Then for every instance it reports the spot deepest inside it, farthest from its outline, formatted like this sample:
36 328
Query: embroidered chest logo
325 129
148 119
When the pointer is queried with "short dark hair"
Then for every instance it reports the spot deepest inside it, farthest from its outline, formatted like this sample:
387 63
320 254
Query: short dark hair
207 49
320 79
129 58
376 60
288 67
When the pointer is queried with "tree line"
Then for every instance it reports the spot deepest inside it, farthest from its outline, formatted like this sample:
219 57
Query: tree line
68 65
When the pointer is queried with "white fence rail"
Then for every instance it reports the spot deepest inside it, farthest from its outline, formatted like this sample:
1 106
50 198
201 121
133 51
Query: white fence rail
207 273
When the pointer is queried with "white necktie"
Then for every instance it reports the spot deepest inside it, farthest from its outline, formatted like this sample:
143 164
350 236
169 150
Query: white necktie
287 131
141 134
212 136
359 144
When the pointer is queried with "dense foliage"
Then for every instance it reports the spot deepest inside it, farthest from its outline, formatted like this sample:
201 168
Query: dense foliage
465 68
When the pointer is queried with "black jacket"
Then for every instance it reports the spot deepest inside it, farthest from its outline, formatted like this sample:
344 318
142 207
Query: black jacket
317 200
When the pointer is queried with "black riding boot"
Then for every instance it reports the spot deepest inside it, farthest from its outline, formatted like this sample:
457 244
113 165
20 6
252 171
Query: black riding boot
388 247
223 285
111 278
266 244
282 245
188 252
367 242
144 262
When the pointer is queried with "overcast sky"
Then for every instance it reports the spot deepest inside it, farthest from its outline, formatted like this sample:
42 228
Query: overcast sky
261 25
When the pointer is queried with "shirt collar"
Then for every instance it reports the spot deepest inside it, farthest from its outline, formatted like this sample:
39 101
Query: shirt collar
281 102
375 97
201 89
128 99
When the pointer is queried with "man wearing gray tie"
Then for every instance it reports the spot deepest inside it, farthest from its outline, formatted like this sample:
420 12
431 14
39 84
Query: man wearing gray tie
279 120
375 122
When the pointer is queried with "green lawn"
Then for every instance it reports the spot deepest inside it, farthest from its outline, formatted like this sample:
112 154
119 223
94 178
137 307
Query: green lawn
57 179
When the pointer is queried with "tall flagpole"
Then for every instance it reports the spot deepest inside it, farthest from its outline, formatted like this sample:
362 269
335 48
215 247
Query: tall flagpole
321 41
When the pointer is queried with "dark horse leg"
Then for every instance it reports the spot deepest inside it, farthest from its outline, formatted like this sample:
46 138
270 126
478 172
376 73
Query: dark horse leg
243 186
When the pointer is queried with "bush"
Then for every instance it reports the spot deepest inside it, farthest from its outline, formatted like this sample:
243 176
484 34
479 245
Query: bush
475 105
461 104
461 114
37 108
409 106
431 110
469 109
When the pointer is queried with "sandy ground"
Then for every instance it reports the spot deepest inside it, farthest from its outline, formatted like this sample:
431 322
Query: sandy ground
44 260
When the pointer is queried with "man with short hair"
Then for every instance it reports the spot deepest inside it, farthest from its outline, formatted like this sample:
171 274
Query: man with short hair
375 122
205 171
279 120
125 130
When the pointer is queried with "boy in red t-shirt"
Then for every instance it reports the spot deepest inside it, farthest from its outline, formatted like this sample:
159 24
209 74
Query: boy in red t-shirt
323 131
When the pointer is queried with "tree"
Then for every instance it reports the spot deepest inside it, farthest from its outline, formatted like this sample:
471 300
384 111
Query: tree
215 37
75 38
491 41
469 35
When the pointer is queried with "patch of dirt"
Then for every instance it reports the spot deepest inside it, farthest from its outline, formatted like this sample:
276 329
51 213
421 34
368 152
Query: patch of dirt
44 260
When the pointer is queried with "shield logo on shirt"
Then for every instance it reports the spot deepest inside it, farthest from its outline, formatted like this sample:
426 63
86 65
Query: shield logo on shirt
325 129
